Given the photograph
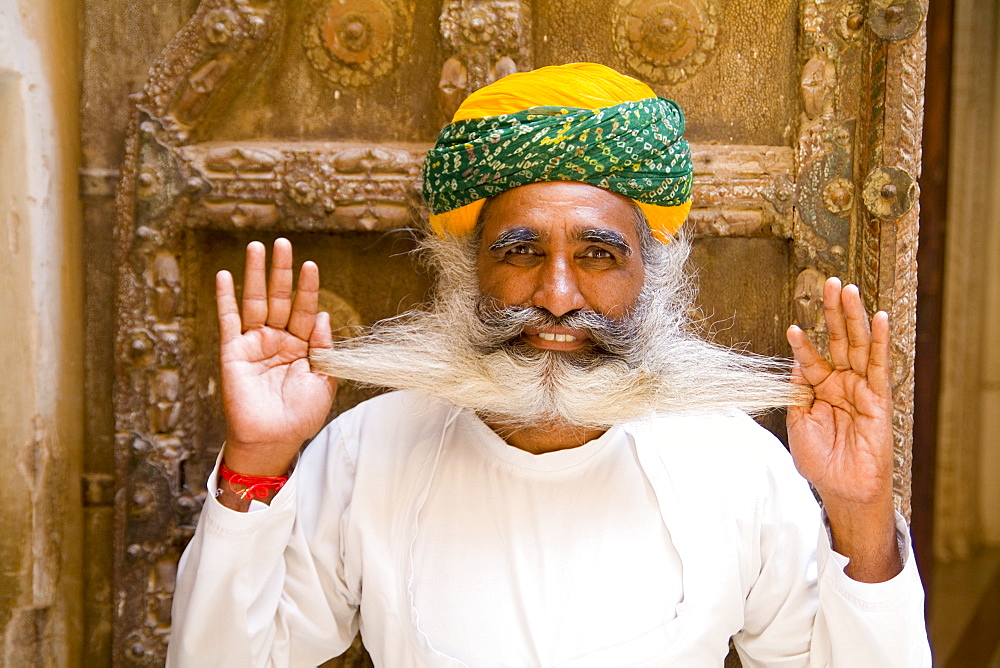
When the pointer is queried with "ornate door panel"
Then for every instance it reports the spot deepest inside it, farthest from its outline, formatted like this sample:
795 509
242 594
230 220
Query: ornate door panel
310 120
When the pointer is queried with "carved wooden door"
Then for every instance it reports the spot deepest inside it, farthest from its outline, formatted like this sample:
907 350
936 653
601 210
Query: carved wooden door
310 119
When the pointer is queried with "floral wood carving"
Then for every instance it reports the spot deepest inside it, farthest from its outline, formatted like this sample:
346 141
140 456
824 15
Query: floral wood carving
157 411
904 94
358 42
665 41
189 81
742 191
309 185
738 190
491 39
847 133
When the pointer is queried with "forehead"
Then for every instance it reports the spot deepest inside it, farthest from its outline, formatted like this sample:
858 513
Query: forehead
558 208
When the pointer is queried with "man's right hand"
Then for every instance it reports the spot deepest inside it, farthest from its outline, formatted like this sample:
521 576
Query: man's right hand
272 401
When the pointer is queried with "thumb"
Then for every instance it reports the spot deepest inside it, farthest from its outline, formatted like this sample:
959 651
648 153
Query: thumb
321 336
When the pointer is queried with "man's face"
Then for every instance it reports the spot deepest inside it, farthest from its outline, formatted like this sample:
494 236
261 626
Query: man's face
562 312
563 247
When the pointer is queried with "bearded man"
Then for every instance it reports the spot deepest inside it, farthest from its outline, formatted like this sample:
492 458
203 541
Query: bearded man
568 475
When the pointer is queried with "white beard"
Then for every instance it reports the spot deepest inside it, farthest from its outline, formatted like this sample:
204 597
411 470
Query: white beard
652 363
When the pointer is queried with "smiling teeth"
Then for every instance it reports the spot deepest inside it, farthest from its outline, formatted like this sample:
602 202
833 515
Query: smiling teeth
547 336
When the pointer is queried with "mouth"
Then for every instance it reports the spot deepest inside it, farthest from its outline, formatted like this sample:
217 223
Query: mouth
556 338
549 336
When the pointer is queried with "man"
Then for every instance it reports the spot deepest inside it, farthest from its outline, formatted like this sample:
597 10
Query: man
568 477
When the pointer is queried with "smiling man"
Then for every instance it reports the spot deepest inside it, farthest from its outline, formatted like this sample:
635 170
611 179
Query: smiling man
567 474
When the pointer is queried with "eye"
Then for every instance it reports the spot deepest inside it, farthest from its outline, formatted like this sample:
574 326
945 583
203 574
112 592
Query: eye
521 249
598 253
598 258
521 255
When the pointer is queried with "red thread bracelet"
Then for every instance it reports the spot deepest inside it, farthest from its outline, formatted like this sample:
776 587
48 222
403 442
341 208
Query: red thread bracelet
256 485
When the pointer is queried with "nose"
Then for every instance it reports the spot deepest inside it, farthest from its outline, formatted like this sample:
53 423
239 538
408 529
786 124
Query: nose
556 288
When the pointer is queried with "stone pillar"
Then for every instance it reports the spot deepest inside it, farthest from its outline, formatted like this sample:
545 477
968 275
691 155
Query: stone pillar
41 315
967 495
989 404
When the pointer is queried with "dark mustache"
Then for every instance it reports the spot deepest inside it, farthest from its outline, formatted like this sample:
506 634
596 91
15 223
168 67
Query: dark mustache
505 324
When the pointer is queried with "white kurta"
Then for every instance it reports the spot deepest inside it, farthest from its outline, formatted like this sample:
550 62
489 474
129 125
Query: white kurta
652 546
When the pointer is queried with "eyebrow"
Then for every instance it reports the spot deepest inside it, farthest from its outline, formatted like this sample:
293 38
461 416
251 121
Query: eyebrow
517 235
607 237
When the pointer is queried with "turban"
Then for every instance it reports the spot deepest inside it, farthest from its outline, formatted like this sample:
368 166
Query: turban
578 122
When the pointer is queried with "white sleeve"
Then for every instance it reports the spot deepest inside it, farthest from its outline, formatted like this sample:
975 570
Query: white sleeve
865 624
269 588
803 610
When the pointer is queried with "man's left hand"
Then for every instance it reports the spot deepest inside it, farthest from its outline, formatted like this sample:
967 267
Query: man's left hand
843 442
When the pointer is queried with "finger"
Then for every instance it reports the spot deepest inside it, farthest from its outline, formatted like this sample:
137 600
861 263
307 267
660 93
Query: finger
321 336
859 336
809 363
254 287
279 287
306 302
225 302
833 311
880 364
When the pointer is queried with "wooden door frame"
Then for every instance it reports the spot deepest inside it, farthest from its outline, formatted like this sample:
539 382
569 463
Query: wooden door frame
843 196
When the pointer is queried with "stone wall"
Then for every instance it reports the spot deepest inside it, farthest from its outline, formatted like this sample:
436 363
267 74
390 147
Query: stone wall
41 380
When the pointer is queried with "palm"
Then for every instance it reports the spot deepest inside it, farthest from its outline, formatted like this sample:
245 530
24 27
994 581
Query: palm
842 443
270 394
273 402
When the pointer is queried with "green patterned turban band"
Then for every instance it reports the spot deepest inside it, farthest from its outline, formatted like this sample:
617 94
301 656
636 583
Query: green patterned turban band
633 148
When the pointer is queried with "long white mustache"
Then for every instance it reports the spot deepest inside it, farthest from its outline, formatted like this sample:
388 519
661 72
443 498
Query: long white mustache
467 351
